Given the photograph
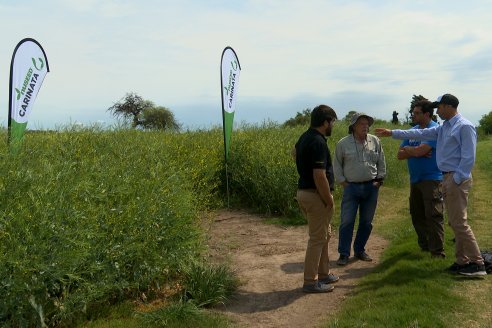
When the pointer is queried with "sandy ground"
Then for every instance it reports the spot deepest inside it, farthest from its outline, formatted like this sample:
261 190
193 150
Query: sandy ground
269 260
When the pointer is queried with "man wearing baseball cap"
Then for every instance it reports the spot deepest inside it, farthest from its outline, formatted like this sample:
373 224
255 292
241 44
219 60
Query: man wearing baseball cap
359 166
455 155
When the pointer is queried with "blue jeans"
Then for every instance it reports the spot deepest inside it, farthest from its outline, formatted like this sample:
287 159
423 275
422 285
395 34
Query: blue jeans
364 198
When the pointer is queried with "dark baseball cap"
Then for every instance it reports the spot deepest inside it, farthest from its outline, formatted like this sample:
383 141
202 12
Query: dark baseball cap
446 99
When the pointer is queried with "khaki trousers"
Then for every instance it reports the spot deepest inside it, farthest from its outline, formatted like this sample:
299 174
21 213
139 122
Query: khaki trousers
316 262
456 201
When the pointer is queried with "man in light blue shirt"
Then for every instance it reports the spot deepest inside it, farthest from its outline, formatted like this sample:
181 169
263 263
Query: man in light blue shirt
426 205
455 155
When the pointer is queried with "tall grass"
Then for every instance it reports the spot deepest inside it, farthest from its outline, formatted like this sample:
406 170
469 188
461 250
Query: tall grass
91 217
263 173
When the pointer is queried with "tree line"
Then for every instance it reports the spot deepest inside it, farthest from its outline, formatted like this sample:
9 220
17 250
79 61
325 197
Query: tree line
304 117
146 115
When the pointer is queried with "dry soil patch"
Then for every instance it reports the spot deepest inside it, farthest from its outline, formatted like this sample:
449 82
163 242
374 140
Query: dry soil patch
268 260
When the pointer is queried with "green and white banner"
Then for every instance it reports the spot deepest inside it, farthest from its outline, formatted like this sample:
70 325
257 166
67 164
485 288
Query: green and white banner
28 68
229 72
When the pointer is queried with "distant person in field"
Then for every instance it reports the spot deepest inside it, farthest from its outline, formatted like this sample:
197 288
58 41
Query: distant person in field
395 118
360 167
456 151
426 205
314 195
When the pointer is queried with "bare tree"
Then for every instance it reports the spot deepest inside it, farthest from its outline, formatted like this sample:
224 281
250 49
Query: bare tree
131 107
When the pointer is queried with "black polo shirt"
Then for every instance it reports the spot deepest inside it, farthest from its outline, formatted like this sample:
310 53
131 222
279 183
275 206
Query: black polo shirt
312 153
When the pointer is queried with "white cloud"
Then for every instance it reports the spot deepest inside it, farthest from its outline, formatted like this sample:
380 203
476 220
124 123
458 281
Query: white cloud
291 52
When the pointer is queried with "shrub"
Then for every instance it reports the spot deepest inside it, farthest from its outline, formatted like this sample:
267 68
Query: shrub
302 118
486 123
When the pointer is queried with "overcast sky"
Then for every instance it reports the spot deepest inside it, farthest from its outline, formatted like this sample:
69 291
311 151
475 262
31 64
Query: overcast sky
369 56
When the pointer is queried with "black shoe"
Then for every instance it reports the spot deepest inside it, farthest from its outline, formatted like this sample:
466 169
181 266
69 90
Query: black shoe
473 270
343 260
454 268
329 279
363 257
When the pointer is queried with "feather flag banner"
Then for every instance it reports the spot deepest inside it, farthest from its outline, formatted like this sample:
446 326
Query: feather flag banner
229 71
28 68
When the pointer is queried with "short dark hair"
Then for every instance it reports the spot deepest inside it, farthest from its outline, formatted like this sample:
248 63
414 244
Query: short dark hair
320 114
426 107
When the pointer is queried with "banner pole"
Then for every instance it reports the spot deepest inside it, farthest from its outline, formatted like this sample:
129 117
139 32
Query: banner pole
225 155
227 185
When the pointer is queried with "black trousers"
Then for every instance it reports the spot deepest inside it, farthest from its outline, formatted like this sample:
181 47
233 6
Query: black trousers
426 209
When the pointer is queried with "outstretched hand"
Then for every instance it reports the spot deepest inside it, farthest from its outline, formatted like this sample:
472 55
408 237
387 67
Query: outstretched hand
381 132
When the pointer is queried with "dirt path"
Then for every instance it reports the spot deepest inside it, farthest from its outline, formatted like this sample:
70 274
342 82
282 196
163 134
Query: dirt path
269 262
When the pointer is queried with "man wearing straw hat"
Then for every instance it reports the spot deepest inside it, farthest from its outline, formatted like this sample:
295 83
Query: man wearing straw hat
360 167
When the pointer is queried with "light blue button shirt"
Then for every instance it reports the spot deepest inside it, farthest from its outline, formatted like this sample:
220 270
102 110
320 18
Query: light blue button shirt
456 145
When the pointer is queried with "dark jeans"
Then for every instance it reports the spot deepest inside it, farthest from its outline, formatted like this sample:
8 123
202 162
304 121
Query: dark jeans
357 197
426 209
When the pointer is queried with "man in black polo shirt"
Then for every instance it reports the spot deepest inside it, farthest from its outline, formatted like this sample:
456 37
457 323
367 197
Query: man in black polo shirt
314 196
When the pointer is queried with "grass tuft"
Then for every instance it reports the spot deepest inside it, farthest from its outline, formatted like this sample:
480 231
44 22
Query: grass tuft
206 285
182 315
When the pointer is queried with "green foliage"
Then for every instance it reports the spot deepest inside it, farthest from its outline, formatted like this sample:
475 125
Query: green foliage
207 285
302 118
486 123
262 172
159 118
88 219
182 315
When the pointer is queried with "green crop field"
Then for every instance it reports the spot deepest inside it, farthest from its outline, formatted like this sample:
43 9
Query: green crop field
90 219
